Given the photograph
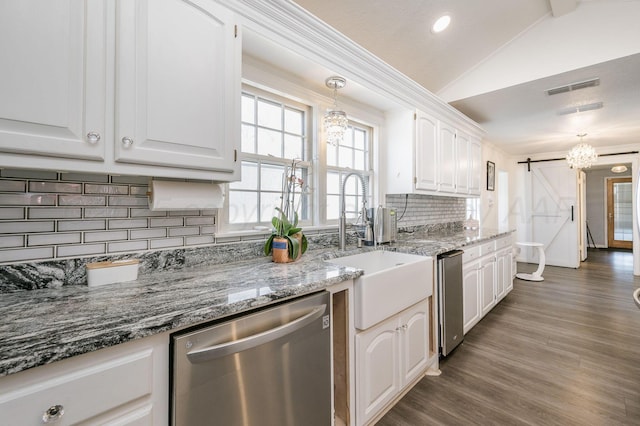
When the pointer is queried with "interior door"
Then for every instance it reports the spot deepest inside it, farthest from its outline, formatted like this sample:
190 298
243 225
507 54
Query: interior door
554 215
619 213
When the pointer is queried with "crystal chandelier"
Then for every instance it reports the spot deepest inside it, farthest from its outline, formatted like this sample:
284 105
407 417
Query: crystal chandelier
335 121
582 156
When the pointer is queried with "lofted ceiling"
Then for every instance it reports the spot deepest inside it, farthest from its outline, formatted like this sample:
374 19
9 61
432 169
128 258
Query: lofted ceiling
498 57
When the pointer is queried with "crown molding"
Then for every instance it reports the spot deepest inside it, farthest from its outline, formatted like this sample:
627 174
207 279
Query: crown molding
291 26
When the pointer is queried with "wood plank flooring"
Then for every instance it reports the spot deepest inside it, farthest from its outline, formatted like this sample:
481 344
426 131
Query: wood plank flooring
565 351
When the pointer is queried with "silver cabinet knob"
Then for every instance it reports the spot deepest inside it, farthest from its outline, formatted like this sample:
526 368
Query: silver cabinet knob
127 142
93 138
53 414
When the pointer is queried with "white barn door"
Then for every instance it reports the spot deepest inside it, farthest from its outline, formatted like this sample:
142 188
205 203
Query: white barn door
555 213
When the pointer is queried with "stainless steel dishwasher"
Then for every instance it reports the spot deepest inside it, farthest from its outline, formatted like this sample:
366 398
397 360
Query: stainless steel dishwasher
450 300
270 367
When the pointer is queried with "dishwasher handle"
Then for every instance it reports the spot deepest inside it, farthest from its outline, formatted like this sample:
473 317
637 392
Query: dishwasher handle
234 346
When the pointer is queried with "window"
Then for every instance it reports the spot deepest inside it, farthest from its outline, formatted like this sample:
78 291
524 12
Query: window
353 154
274 133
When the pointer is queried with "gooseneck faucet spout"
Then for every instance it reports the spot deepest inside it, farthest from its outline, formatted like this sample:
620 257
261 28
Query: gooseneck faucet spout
343 220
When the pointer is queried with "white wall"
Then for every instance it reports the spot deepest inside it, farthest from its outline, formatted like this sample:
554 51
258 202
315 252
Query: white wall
489 199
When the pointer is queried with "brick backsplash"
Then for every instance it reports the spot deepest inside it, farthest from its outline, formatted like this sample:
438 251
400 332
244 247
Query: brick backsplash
426 209
48 215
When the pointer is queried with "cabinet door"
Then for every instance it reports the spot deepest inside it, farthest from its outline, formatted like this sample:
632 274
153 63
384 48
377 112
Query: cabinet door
377 371
426 152
471 295
488 284
475 166
447 158
177 85
415 341
53 78
509 272
462 163
501 275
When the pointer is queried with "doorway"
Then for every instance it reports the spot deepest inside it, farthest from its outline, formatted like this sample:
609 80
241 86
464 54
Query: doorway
619 213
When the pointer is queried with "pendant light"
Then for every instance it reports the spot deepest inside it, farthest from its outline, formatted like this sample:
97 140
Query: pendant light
582 156
335 121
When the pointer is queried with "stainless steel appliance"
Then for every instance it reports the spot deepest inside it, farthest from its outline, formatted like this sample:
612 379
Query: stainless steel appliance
450 313
271 367
385 224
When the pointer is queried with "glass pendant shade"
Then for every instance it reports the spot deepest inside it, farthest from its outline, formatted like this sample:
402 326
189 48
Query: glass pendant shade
335 122
335 126
582 156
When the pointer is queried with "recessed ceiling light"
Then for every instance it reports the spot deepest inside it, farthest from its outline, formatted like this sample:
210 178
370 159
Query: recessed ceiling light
441 24
619 169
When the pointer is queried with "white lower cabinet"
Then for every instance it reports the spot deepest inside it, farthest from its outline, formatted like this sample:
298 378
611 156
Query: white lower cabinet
123 385
389 356
487 277
471 294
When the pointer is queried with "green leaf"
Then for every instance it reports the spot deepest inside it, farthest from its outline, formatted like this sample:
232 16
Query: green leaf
267 245
305 244
294 231
294 247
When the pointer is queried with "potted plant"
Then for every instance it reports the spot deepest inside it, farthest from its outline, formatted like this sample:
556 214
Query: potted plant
287 241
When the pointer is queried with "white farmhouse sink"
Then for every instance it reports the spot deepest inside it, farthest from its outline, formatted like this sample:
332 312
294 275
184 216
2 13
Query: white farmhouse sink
391 282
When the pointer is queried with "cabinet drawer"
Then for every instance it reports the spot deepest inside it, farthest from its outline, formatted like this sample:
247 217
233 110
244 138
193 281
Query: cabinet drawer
470 253
487 248
503 242
84 393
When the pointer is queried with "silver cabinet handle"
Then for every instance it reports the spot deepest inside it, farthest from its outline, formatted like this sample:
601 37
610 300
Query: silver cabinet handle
53 414
93 137
234 346
127 142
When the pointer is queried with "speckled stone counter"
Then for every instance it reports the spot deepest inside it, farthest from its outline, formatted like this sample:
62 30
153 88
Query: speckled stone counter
50 324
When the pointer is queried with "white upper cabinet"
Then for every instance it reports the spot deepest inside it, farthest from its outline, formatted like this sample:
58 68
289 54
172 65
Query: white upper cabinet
430 156
426 152
177 84
141 87
53 78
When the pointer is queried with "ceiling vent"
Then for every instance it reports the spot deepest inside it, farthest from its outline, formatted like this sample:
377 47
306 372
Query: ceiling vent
574 86
581 108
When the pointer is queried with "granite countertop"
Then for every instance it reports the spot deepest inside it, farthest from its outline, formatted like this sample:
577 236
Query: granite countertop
46 325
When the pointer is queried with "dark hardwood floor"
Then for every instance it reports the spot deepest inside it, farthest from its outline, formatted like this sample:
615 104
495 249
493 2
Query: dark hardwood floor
565 351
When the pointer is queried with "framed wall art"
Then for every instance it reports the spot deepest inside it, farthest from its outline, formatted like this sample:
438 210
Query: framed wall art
491 176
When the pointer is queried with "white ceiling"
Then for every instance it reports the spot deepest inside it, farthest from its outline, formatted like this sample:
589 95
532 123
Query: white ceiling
498 56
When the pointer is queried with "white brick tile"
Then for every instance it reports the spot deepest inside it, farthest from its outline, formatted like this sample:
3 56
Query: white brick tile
127 246
95 212
174 221
165 243
54 213
13 186
203 239
26 227
93 237
28 174
139 180
80 250
205 220
81 200
128 201
12 213
127 223
139 190
184 213
81 225
12 241
84 177
22 254
53 239
72 188
90 188
138 234
227 239
147 213
207 230
27 200
179 232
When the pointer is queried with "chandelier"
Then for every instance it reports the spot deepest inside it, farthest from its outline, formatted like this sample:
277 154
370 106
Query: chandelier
335 121
582 156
